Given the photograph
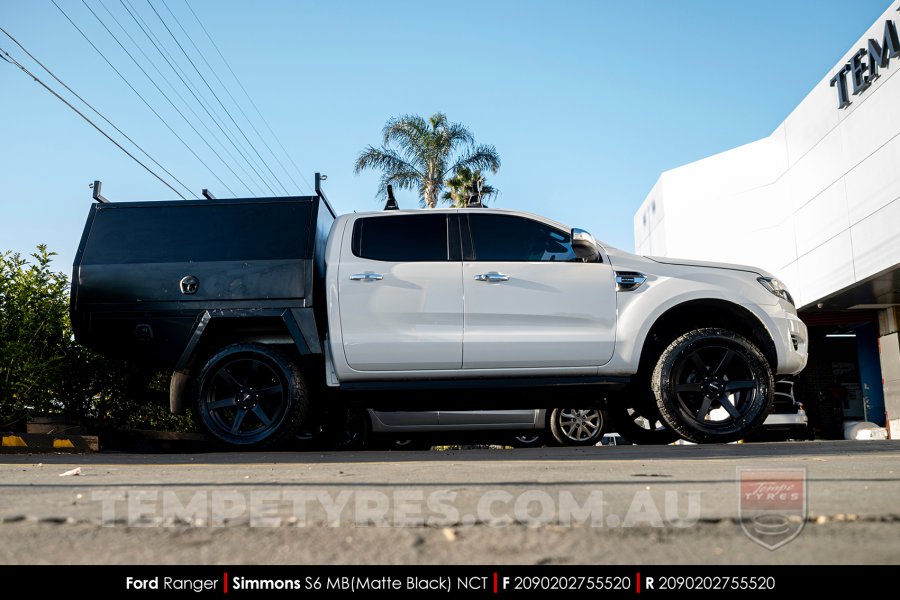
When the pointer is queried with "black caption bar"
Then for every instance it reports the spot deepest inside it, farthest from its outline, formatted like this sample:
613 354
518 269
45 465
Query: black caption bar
481 581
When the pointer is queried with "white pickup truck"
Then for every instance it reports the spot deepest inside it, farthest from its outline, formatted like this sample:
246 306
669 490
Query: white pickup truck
271 312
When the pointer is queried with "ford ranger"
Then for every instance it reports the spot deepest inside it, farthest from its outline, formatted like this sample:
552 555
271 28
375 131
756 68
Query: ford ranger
269 311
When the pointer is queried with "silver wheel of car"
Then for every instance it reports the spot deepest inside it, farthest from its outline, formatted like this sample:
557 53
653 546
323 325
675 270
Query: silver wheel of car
527 441
577 426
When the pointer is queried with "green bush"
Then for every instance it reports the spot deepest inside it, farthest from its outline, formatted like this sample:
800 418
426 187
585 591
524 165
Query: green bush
43 370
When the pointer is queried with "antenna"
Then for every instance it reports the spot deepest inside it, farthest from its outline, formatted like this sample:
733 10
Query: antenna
208 194
391 203
96 195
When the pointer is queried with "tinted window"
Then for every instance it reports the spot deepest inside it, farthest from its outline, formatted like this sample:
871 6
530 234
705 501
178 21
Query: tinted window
403 238
508 238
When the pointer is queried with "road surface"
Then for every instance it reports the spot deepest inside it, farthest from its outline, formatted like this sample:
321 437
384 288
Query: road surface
617 505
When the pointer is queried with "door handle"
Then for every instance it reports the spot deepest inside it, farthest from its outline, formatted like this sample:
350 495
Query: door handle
492 277
366 277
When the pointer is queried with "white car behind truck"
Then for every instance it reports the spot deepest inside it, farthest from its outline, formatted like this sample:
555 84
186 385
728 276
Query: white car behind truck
271 312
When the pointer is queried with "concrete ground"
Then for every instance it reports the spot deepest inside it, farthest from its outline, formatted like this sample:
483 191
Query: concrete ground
620 505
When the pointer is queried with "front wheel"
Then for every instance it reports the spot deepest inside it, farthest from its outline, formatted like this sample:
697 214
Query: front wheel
577 426
712 385
250 396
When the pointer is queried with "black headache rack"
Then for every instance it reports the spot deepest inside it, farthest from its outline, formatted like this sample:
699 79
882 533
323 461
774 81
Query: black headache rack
151 279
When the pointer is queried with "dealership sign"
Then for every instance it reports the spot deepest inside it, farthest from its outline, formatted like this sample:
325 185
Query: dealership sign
863 66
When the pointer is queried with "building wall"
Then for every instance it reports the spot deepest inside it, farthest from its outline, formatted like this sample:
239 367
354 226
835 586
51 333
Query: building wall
817 202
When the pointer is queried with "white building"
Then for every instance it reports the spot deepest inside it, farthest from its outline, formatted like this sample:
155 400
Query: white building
818 204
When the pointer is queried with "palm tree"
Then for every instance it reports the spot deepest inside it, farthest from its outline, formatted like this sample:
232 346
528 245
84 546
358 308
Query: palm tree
461 184
417 155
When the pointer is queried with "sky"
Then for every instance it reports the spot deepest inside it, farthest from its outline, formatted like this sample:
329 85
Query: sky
587 102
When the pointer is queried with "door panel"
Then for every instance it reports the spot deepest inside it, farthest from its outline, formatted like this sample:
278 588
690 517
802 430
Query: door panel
400 315
525 418
539 311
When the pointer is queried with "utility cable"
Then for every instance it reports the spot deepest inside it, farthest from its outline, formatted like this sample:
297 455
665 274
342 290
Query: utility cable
37 79
144 100
97 112
227 91
249 98
177 93
216 96
194 91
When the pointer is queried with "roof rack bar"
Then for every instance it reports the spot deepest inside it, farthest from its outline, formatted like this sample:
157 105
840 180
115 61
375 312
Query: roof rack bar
95 194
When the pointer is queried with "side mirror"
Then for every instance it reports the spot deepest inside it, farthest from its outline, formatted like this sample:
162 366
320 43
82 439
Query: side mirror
585 247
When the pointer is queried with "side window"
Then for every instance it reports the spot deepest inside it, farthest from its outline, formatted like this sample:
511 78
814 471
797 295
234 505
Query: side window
509 238
401 238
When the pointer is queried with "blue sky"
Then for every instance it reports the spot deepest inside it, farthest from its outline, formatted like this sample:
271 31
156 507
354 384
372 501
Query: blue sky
586 101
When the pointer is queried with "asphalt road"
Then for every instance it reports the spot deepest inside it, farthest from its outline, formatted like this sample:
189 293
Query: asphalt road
619 505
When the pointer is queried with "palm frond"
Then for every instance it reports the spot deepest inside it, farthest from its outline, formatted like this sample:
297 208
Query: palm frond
481 157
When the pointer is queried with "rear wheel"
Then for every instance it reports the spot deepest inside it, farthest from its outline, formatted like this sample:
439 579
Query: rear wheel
250 396
350 429
527 440
712 385
577 426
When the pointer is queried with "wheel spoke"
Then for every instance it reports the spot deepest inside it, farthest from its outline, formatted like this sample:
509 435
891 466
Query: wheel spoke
269 391
698 362
252 372
591 425
223 403
568 414
704 408
261 415
726 403
229 379
688 387
238 420
731 386
723 365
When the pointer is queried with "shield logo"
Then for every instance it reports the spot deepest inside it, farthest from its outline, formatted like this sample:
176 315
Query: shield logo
772 505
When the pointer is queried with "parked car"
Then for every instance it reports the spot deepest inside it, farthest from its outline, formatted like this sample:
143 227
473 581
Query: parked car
522 428
272 312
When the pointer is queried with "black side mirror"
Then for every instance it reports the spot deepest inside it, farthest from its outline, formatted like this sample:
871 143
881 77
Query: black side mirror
585 247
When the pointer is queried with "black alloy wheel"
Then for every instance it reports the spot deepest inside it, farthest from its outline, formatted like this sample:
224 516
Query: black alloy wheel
250 396
712 385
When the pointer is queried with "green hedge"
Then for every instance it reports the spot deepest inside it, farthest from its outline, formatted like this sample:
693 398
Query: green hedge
43 370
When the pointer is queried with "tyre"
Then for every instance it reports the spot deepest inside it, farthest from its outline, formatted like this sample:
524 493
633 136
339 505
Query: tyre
713 386
640 425
411 444
527 440
577 426
249 397
350 429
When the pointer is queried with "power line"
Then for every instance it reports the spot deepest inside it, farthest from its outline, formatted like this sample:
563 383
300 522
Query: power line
13 61
216 96
144 100
249 98
97 112
227 91
185 80
177 93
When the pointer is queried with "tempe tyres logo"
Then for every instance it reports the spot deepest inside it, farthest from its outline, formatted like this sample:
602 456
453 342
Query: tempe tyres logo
772 505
